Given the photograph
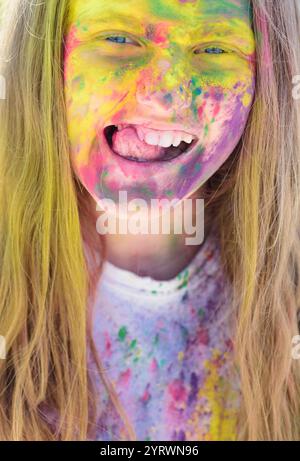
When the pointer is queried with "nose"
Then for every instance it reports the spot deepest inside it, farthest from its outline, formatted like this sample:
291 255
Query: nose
162 93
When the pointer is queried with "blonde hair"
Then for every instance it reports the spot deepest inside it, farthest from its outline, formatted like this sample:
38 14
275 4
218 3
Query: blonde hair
46 282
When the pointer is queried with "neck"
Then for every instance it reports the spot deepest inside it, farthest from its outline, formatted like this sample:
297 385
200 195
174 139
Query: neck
160 256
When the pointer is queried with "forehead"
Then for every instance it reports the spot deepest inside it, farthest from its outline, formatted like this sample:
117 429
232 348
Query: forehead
177 11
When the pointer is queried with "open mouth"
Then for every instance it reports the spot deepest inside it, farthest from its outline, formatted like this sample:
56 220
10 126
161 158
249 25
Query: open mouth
138 151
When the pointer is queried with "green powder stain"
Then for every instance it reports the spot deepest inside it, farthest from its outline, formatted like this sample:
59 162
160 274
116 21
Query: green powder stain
161 8
214 77
156 339
142 190
194 81
184 284
182 169
146 191
122 333
206 130
125 66
200 150
169 193
184 332
136 359
133 344
196 91
185 279
198 167
120 72
154 292
78 83
227 8
162 363
201 312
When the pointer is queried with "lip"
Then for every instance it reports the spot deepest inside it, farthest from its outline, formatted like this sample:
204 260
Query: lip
144 179
160 127
135 161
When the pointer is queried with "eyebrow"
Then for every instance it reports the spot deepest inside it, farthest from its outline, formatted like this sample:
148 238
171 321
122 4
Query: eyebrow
112 17
115 15
203 28
228 26
119 21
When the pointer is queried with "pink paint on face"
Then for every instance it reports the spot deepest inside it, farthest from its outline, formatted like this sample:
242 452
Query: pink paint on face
187 69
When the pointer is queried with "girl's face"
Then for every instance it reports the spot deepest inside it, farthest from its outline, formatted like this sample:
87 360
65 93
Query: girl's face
158 92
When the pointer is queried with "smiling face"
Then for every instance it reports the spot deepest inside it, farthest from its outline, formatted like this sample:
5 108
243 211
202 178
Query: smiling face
142 76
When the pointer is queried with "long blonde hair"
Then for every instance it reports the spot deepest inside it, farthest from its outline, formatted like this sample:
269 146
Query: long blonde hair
45 227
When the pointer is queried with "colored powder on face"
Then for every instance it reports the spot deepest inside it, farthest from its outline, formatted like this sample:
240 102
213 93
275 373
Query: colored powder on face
246 99
168 98
166 76
182 170
227 8
169 193
216 110
150 31
200 150
78 83
160 34
196 110
162 9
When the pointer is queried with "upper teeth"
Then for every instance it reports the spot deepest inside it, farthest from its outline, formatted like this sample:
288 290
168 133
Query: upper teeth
161 138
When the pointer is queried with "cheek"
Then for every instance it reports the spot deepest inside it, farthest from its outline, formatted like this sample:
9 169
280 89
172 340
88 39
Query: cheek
222 116
90 100
94 94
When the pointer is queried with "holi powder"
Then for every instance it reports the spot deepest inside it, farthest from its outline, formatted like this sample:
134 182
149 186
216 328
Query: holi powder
188 69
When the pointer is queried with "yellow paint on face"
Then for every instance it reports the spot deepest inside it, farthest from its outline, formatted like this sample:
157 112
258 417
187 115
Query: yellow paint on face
162 72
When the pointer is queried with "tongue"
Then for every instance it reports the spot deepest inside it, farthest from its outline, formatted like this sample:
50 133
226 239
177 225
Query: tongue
127 144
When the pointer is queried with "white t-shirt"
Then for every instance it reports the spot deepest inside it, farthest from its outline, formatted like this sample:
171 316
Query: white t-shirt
167 349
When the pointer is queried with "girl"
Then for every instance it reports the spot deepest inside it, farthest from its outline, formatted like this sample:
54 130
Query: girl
142 337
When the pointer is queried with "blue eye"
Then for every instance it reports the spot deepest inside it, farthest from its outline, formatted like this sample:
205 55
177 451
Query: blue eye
214 50
119 39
